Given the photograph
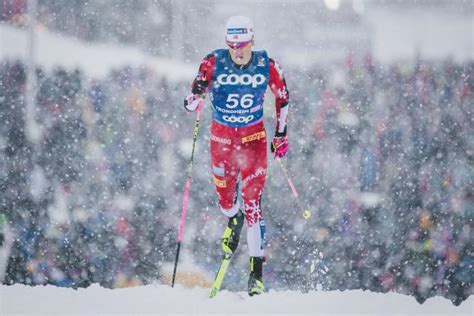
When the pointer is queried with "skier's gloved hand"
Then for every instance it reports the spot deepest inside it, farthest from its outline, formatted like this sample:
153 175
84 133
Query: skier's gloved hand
280 145
200 87
192 102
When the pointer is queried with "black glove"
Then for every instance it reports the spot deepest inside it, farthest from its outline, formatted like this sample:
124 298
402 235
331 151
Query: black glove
200 87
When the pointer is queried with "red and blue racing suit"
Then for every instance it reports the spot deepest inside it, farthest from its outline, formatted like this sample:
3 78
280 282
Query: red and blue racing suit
238 137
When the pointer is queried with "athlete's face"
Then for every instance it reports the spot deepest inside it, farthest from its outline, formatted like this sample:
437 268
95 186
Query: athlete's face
240 53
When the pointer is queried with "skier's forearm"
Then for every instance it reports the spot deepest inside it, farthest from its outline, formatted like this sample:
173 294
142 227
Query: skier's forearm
278 86
203 79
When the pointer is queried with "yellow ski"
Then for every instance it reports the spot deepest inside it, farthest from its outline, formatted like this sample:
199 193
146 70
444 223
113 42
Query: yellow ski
220 276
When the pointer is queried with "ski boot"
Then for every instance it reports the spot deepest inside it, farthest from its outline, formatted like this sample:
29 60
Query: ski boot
256 286
230 239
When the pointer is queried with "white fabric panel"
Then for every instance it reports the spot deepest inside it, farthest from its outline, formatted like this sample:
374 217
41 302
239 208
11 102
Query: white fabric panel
283 115
231 211
255 240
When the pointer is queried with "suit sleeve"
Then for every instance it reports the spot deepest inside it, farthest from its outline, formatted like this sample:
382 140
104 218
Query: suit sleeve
203 79
278 86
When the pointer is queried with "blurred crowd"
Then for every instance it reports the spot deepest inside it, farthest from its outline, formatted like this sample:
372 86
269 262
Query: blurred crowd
86 201
389 169
382 155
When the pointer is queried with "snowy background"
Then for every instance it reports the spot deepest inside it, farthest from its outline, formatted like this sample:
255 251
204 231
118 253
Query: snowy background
94 145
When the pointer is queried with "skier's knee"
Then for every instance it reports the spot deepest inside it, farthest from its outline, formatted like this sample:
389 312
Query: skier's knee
231 211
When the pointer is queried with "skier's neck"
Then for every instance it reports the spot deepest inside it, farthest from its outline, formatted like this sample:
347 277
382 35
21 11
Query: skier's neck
241 63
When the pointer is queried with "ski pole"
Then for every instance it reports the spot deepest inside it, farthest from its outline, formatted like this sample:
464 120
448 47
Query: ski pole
305 212
323 269
186 192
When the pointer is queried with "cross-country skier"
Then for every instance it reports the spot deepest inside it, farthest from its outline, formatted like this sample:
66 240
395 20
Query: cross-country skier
236 79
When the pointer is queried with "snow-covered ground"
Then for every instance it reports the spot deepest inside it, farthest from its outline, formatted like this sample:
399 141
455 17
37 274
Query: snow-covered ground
96 59
162 299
